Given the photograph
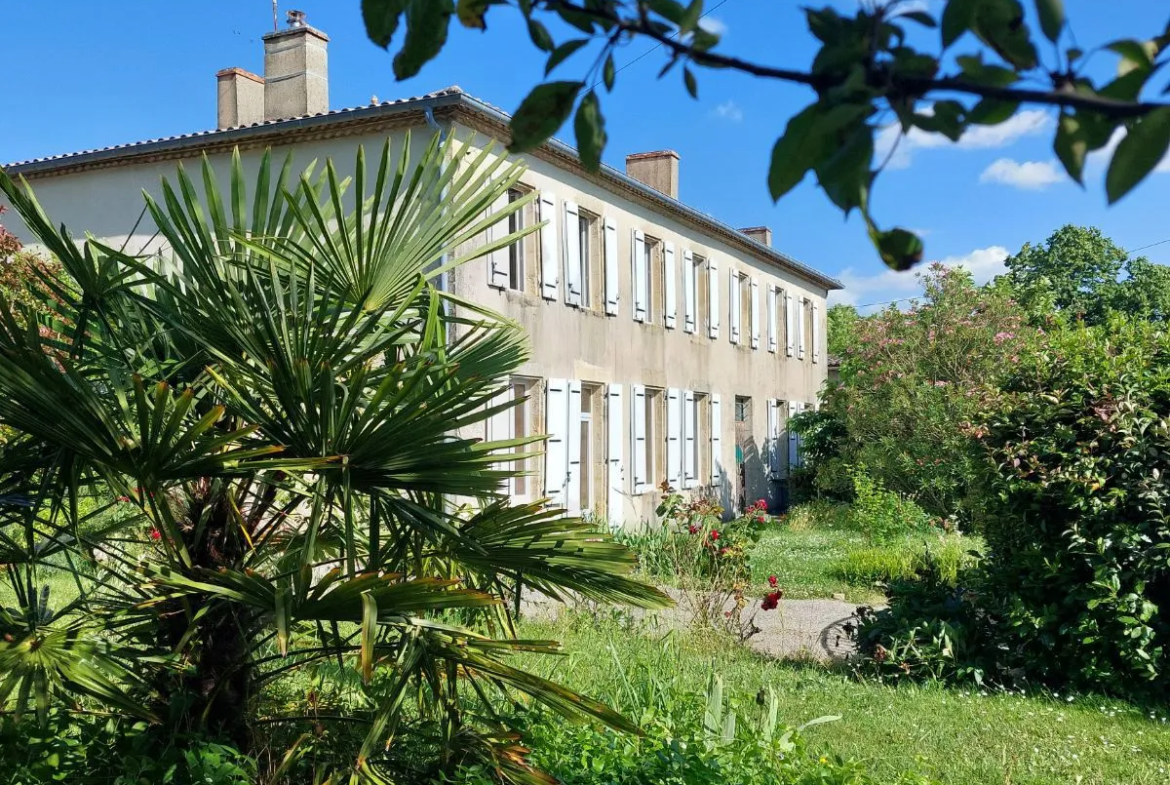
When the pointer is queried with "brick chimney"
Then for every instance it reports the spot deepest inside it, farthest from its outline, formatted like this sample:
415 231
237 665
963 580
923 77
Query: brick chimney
296 70
761 234
240 98
659 170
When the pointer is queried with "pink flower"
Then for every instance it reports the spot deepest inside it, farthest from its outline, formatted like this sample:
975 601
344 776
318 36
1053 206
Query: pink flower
1001 337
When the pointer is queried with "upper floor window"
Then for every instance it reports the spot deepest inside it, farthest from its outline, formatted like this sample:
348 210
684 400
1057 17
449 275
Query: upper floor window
508 267
646 275
582 255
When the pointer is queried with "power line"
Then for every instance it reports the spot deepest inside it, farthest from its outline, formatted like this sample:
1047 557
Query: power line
915 297
659 45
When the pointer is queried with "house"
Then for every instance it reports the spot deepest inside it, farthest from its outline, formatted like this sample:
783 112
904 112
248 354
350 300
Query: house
666 345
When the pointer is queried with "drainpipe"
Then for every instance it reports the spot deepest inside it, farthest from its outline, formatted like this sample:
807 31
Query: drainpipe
444 280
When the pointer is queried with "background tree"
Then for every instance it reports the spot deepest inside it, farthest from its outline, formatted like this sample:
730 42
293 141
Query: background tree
843 324
875 68
1083 274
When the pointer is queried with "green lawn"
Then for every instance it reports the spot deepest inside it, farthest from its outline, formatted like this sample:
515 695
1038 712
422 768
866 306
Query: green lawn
955 736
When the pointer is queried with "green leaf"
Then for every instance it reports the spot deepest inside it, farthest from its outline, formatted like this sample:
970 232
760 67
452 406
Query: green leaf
563 52
957 18
472 13
921 17
900 248
426 32
689 81
609 73
540 36
589 126
1051 13
992 111
1139 152
1070 146
975 70
1000 25
845 175
808 139
670 10
381 19
691 16
541 113
1135 55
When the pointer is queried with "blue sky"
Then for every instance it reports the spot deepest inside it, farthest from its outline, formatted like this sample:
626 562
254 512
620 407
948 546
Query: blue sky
81 78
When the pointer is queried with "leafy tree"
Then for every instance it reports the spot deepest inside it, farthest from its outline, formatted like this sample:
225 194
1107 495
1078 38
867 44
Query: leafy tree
872 70
1084 274
255 471
843 325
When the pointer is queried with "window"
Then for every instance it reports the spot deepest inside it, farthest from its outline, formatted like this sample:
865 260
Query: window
515 423
582 255
802 312
655 437
656 279
641 258
693 432
745 302
775 306
743 409
508 267
647 437
695 294
593 467
516 253
702 457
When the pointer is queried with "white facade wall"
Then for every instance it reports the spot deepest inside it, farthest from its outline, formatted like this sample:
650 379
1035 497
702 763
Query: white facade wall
583 347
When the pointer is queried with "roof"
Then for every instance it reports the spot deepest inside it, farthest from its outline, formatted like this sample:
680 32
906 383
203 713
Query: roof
451 97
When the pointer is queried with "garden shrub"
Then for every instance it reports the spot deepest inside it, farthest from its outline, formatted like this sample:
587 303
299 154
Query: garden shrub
1077 528
1075 584
880 513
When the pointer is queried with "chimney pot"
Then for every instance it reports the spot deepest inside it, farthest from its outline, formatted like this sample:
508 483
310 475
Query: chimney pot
658 170
240 98
761 234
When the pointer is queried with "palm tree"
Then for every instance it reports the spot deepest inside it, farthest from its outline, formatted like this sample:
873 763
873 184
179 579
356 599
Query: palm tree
246 456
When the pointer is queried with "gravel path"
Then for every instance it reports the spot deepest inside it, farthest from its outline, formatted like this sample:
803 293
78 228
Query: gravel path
798 629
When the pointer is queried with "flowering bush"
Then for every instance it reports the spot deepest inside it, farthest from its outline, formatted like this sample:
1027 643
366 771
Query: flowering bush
909 381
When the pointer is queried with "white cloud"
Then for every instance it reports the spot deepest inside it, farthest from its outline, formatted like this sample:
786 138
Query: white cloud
1029 122
1028 175
888 285
715 25
729 110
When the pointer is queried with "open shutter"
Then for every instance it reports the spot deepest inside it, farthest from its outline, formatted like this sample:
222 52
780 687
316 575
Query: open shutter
616 469
774 438
497 260
638 437
556 448
800 407
793 455
674 437
789 323
816 333
716 439
549 247
669 284
690 299
690 437
755 314
772 324
641 291
573 480
713 296
800 303
573 272
733 304
611 268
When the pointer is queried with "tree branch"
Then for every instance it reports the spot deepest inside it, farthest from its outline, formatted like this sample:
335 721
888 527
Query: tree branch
911 85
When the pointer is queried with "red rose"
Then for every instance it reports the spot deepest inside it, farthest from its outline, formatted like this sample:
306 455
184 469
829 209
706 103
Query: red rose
714 535
155 534
772 581
123 499
693 529
771 600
